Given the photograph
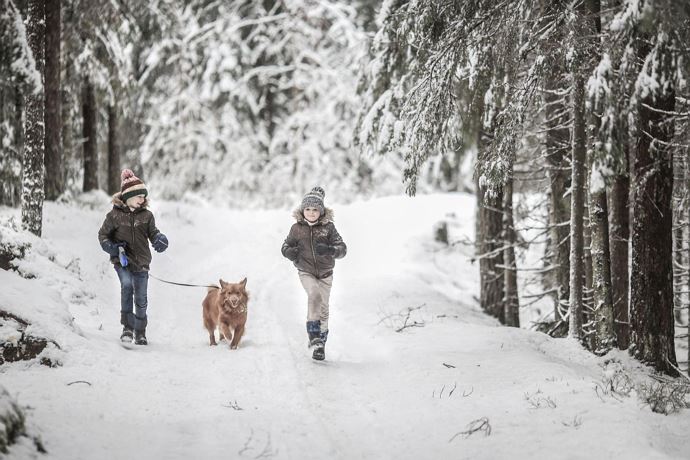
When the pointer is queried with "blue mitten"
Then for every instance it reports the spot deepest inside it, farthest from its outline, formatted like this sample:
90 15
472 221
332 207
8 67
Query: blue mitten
111 247
160 243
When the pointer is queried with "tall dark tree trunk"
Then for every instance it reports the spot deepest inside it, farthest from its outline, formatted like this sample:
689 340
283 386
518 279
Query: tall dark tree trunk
90 136
113 151
33 175
55 171
512 301
619 238
577 249
491 274
651 281
557 155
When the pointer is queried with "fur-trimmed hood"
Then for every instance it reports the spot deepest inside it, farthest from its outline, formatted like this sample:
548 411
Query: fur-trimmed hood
323 220
117 201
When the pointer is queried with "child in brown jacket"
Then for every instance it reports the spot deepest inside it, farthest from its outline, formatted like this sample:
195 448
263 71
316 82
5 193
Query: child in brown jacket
312 245
125 235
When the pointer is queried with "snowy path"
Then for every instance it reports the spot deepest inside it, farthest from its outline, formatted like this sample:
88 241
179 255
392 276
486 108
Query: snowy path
379 395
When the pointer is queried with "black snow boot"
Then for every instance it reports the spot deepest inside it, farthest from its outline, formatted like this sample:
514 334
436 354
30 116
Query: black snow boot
127 334
313 332
140 337
319 351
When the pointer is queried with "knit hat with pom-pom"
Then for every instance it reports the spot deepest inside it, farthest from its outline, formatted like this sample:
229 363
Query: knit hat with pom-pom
314 199
131 185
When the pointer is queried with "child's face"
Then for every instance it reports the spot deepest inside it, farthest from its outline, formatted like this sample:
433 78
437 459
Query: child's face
136 201
311 214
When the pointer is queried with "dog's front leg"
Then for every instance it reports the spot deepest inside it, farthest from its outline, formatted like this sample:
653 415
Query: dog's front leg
225 329
239 330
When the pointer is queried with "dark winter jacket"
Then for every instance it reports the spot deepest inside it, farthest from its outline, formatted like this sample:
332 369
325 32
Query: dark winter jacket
134 228
306 237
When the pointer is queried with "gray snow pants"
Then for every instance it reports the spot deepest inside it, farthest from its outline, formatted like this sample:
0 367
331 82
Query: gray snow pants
318 292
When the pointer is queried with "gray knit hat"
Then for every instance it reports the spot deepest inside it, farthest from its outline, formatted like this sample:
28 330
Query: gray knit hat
314 199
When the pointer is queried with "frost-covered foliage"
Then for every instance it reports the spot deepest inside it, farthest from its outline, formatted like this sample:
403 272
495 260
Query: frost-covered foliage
442 76
17 73
636 36
255 105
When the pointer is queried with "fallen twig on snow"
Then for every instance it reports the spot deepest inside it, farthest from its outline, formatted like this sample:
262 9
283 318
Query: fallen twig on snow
481 424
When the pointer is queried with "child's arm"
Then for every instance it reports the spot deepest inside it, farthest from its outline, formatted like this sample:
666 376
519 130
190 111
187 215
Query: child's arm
289 248
108 245
158 240
335 240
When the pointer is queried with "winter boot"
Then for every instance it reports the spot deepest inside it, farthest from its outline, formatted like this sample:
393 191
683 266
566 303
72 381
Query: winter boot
127 334
314 332
319 350
140 337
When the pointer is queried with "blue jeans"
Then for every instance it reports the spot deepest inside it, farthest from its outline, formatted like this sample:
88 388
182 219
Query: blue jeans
133 287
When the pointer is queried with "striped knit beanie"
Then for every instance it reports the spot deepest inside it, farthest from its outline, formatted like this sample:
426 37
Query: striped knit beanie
314 199
131 185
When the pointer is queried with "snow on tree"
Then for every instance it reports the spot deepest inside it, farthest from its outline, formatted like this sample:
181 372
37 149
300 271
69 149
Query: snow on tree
18 73
34 147
254 102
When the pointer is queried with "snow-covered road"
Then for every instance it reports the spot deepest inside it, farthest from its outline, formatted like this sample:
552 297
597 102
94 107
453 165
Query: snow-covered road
380 394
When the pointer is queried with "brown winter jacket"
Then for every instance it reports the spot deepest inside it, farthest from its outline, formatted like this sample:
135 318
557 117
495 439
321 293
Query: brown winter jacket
135 228
306 236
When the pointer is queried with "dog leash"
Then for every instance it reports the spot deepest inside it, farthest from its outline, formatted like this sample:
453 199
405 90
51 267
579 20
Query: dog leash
183 284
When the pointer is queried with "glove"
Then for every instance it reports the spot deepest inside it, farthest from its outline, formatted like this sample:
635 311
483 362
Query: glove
292 253
112 248
324 249
160 243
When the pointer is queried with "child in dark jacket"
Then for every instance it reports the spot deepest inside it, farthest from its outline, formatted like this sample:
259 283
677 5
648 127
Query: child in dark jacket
312 245
125 235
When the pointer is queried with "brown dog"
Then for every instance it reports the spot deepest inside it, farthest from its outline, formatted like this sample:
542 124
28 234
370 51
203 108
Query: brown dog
226 308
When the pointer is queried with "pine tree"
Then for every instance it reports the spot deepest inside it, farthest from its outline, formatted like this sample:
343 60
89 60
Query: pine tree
55 171
90 134
32 165
651 301
18 74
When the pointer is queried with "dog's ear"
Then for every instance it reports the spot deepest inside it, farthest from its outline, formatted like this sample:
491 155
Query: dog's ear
243 282
222 283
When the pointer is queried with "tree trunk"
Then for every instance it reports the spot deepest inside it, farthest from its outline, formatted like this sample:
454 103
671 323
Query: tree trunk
687 233
113 152
577 262
679 273
90 140
491 273
32 176
651 281
557 152
512 301
55 171
619 239
599 260
601 272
